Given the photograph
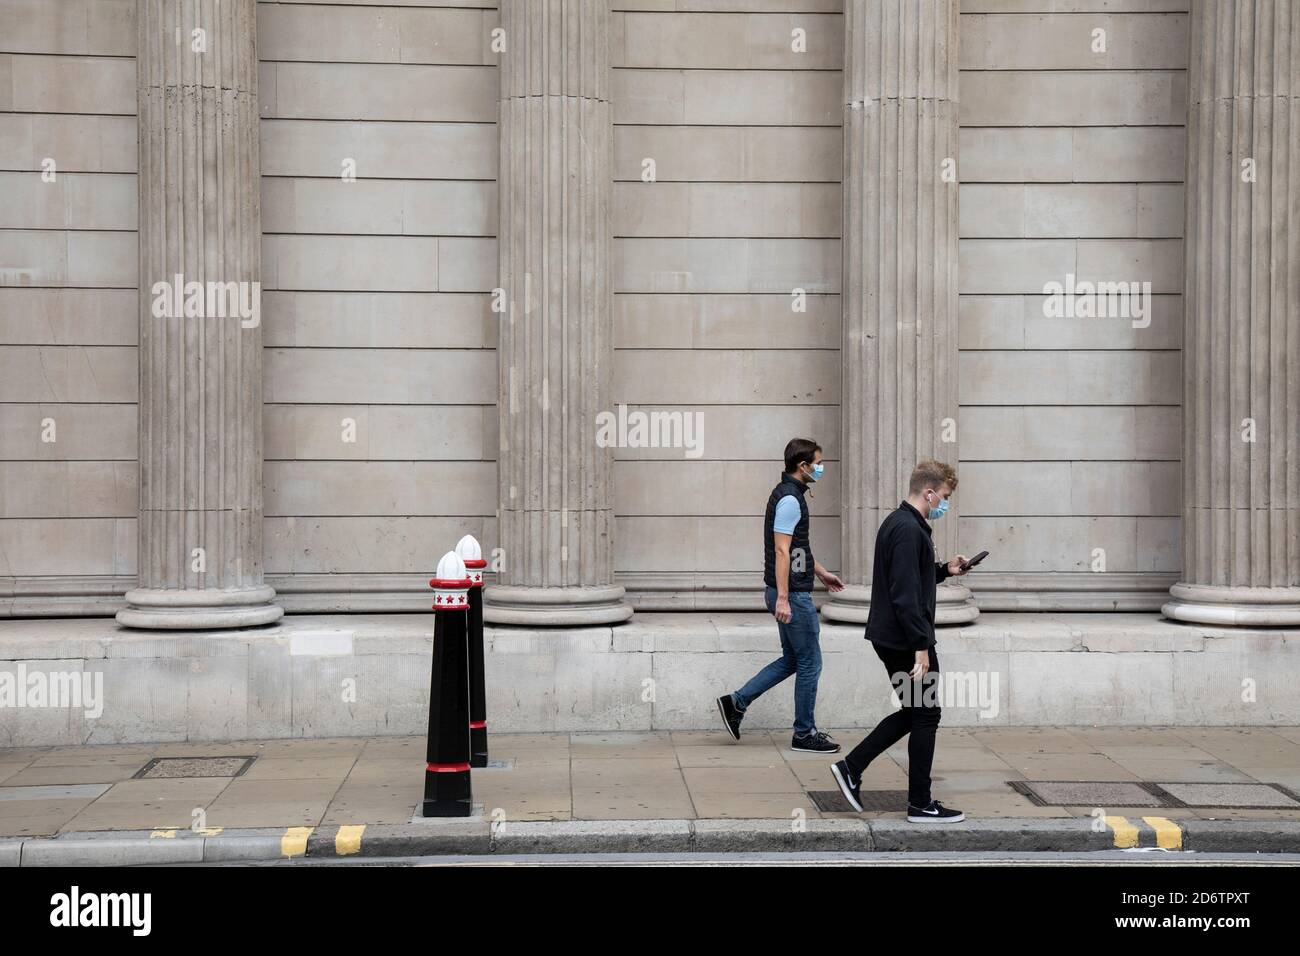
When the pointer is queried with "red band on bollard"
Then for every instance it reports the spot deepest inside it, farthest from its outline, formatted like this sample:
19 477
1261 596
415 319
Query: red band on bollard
478 725
446 767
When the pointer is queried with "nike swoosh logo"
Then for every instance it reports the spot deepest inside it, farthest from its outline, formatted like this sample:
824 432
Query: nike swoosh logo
933 813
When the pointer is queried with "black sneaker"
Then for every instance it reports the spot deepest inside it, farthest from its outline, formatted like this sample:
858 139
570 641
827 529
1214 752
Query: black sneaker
848 786
936 812
731 717
814 743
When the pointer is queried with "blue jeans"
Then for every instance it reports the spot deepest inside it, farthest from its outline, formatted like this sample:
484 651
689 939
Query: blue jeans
801 655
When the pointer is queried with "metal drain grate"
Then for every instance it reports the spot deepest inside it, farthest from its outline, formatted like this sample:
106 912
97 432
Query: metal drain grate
160 768
832 801
1091 793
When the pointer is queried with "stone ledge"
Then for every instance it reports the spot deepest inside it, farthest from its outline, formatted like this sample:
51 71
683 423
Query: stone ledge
285 680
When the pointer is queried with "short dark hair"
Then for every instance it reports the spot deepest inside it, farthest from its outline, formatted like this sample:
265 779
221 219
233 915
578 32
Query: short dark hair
931 474
799 451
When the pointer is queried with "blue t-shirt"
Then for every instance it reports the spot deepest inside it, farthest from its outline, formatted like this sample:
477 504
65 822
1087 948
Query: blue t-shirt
787 515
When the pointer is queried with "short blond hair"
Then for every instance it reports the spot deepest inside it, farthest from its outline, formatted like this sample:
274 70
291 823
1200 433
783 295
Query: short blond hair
932 474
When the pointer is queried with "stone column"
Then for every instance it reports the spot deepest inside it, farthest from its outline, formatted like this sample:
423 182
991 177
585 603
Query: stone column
899 289
200 556
1241 300
555 349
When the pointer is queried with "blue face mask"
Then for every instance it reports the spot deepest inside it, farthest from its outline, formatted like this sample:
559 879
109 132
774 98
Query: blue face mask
935 513
817 472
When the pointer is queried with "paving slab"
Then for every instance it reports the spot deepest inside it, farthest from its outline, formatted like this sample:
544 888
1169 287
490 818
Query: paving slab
1029 740
740 780
729 756
38 819
160 814
632 803
1082 766
621 745
299 768
94 756
196 790
600 772
52 793
789 805
101 772
1186 771
8 770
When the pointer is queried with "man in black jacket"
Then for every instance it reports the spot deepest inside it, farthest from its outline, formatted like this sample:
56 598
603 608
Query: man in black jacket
900 625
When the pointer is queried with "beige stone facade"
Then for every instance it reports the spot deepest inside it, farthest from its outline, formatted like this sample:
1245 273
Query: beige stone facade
758 218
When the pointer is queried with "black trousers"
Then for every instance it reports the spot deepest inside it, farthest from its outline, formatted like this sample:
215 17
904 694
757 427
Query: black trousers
919 716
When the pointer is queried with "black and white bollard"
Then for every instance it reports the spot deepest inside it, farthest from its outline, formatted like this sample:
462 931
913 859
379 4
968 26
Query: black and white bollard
447 790
469 551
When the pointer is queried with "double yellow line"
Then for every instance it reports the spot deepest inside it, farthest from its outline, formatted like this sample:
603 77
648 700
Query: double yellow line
1169 835
347 842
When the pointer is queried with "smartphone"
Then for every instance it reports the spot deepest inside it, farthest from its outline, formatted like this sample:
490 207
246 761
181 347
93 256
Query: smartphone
974 561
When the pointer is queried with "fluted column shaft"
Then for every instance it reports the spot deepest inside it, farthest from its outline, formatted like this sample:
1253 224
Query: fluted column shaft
899 288
1241 348
200 526
555 348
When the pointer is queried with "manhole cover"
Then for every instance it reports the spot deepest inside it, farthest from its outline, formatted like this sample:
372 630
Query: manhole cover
1235 796
1090 793
170 767
832 801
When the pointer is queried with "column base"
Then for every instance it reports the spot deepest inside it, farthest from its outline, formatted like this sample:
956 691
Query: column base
555 607
1234 607
954 604
199 609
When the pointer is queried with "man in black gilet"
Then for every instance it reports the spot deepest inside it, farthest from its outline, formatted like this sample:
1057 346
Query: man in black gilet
789 572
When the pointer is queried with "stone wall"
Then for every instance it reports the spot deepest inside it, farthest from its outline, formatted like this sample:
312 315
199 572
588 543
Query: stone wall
1072 163
380 367
68 303
743 132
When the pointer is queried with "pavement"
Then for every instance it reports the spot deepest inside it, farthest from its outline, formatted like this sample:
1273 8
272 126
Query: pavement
1202 789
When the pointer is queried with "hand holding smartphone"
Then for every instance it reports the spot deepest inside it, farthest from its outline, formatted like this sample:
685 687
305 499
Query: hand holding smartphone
970 563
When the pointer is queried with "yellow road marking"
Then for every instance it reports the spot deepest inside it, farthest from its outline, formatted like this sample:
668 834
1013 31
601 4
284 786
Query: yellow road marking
163 834
209 831
294 841
1126 834
1168 834
348 840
